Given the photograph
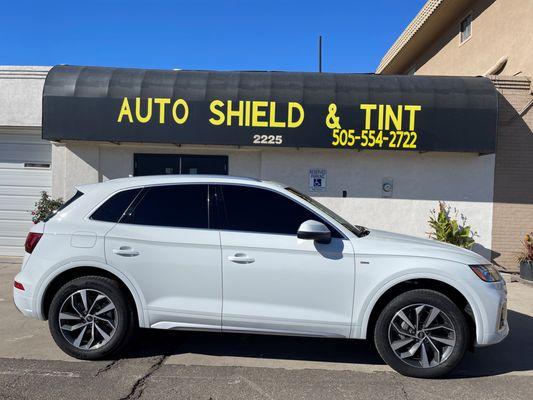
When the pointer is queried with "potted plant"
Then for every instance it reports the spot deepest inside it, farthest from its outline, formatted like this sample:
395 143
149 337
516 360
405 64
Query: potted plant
45 207
525 258
450 228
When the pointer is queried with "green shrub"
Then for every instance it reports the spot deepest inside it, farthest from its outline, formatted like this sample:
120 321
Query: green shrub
45 207
449 228
526 255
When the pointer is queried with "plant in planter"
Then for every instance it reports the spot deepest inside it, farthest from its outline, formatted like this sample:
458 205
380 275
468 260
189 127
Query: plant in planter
451 228
525 257
45 207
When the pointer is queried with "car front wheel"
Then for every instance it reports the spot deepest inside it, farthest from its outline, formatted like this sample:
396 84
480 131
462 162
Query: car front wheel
90 318
422 333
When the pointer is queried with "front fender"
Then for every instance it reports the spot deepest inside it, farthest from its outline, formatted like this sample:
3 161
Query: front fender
365 302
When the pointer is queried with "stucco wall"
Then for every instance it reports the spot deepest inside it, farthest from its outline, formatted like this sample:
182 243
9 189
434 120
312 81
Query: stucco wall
463 180
500 28
77 163
21 89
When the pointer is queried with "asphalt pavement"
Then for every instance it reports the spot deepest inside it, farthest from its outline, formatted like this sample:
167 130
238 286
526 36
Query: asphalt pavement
192 365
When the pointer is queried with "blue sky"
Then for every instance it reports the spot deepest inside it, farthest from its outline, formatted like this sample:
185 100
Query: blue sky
223 35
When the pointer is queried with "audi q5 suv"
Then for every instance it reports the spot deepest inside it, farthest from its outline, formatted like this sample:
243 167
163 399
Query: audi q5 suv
241 255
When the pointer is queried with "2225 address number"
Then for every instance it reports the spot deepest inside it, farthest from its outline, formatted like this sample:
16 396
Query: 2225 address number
268 139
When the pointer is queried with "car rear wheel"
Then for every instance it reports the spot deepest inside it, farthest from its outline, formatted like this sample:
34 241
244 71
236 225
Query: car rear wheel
422 333
90 318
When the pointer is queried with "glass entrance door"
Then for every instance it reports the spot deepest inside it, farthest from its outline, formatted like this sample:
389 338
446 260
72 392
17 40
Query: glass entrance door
168 164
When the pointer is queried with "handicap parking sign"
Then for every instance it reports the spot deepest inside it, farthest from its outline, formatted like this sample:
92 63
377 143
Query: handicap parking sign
317 180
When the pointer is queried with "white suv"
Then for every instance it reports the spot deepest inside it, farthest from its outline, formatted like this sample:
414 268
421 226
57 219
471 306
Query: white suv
242 255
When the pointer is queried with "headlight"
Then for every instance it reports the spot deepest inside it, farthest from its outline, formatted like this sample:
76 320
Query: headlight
486 273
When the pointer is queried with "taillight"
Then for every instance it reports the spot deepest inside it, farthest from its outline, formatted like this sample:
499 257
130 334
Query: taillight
18 285
31 241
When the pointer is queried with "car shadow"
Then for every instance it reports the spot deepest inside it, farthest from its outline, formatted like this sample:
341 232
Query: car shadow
156 342
514 354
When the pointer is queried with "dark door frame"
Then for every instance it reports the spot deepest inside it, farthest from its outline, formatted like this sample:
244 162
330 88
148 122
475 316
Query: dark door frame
179 158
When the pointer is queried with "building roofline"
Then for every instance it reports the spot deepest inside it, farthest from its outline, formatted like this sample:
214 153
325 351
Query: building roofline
23 71
409 32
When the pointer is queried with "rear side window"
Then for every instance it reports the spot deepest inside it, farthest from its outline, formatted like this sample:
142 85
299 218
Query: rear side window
260 210
115 206
67 203
181 206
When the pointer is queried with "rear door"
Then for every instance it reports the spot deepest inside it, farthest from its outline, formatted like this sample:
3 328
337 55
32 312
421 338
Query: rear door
165 245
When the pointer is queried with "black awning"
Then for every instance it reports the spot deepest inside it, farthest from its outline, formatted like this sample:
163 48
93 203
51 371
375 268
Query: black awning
283 109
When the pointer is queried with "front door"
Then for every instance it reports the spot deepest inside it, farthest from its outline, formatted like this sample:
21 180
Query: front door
165 245
167 164
274 281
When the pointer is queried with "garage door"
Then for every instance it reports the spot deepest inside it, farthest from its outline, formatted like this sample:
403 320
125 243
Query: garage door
24 172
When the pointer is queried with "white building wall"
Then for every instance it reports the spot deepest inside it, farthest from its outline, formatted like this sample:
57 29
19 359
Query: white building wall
463 180
21 90
24 157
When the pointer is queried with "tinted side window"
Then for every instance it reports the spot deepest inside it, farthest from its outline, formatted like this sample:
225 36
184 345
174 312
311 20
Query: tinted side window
260 210
115 206
183 206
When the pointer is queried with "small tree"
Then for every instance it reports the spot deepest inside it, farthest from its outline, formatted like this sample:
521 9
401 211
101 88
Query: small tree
446 227
45 207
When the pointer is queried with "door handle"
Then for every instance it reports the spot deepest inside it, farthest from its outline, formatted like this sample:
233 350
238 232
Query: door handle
125 251
241 258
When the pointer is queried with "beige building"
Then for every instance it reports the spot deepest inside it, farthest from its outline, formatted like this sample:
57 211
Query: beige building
465 37
491 38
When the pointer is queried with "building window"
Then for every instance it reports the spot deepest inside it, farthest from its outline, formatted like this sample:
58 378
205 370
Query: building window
466 28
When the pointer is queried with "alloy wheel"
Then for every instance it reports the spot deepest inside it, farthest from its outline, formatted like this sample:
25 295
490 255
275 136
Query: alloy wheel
422 335
88 319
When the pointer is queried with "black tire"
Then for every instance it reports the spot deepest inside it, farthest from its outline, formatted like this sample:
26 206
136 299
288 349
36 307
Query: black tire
434 299
125 316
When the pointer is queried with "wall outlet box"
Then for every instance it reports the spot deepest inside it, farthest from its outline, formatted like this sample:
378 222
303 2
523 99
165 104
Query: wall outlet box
387 187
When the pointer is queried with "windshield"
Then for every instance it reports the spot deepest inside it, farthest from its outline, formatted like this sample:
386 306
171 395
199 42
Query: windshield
355 229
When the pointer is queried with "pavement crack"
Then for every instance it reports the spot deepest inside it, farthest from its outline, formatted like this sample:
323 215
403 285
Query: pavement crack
404 392
399 379
106 368
140 384
257 388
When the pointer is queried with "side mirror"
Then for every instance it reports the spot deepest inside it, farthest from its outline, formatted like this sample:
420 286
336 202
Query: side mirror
314 230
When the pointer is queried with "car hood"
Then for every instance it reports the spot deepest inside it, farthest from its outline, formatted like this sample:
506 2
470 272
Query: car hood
388 243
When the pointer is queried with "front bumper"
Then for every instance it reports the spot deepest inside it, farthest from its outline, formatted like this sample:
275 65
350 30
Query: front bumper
495 337
494 311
